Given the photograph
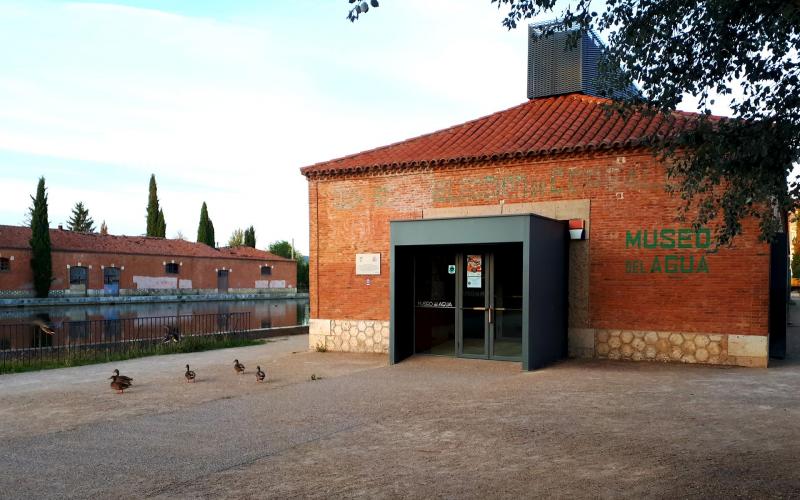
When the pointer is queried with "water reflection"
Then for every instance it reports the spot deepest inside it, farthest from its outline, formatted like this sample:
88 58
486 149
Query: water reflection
263 313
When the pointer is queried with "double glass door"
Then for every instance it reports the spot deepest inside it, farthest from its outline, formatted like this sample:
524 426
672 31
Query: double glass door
468 302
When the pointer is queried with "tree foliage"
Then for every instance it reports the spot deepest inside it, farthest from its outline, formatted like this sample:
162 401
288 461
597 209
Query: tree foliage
80 221
302 273
156 224
724 170
236 239
285 249
103 228
250 237
153 209
41 259
360 7
205 229
161 225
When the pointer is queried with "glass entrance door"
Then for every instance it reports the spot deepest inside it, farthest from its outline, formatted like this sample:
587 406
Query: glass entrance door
506 303
490 304
475 307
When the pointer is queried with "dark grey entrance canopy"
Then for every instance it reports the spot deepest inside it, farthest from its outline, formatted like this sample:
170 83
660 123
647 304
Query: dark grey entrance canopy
544 267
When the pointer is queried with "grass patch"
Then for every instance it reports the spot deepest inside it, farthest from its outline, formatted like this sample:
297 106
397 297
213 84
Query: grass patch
82 357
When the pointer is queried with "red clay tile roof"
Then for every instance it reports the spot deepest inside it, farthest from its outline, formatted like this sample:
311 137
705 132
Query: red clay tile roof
69 241
251 253
550 125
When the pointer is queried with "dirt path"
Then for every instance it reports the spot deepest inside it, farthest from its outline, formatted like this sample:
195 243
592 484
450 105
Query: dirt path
50 401
428 427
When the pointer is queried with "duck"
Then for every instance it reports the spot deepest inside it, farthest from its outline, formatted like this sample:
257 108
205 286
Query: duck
125 379
260 375
238 367
190 374
118 384
43 327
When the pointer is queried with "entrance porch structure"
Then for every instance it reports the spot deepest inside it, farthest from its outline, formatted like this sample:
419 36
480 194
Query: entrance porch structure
480 287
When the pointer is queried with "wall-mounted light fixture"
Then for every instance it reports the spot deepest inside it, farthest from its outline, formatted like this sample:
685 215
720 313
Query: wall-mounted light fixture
576 229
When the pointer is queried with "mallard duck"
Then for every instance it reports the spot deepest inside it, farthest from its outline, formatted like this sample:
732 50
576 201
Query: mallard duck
171 334
238 367
125 379
43 327
260 375
190 374
118 384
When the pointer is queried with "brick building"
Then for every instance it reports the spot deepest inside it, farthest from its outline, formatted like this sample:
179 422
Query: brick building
94 264
529 234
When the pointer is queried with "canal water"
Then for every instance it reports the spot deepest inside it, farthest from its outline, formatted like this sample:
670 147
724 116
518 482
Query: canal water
263 313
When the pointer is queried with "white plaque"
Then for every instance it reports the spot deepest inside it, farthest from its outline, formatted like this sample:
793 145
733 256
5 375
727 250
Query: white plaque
368 263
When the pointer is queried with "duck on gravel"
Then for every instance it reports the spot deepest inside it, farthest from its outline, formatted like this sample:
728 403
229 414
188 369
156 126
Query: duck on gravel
260 375
118 384
190 374
123 378
238 367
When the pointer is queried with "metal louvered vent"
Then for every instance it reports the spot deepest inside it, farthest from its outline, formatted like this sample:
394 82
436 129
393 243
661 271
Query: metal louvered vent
554 68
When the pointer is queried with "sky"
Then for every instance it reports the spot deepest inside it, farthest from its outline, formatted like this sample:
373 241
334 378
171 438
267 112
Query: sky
224 101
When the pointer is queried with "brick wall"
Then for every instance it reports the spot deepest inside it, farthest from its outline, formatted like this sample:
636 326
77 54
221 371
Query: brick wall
351 214
200 270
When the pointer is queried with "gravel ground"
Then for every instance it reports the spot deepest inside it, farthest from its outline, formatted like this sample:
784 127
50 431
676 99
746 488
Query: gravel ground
427 427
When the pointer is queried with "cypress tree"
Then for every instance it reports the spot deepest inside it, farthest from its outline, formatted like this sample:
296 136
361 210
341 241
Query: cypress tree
212 241
161 225
202 228
80 222
152 208
250 237
41 260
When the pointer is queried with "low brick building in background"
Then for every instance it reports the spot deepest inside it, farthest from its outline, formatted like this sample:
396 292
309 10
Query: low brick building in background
534 232
95 264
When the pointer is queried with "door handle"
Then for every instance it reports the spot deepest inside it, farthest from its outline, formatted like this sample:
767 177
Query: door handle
490 314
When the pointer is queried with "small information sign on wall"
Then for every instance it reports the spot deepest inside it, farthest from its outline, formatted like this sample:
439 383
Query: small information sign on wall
368 264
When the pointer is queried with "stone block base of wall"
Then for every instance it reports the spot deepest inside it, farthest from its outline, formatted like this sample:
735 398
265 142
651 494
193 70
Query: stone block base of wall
677 347
349 335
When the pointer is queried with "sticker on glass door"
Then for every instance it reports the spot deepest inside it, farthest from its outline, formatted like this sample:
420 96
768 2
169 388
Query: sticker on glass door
474 270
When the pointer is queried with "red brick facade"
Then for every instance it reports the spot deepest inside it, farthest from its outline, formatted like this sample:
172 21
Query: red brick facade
142 263
351 215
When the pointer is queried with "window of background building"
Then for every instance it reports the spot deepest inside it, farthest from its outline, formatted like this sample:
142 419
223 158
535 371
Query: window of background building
266 270
5 264
172 268
78 275
111 275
